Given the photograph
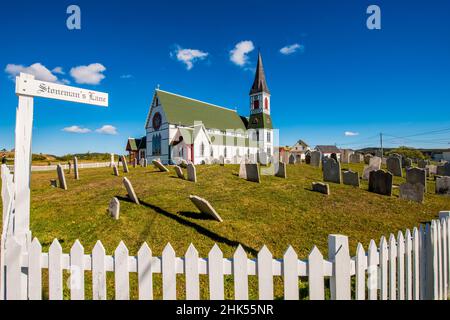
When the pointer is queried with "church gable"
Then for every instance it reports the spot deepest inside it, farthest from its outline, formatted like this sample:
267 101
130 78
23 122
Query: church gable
154 121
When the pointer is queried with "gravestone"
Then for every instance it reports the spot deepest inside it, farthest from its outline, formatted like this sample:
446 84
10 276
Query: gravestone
334 156
114 208
443 169
61 177
252 170
75 168
145 163
345 156
308 159
332 171
69 165
374 165
431 168
135 163
380 182
242 170
367 158
321 187
422 163
112 160
416 175
316 158
191 173
394 166
281 172
124 164
205 207
443 185
291 159
141 162
412 191
351 178
406 162
179 172
130 190
115 170
160 166
355 158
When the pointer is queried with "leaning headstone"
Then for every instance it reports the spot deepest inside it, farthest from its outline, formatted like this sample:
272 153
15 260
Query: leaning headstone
179 172
130 190
416 175
321 187
380 182
412 191
281 172
394 166
61 177
114 208
160 166
443 185
350 178
205 207
355 158
75 168
332 171
443 169
252 170
316 158
191 173
242 170
422 163
115 170
291 159
374 165
125 164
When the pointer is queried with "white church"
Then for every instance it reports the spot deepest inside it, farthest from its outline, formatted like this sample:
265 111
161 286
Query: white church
179 127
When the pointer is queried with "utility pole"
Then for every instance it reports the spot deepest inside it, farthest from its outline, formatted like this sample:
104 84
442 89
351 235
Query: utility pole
381 144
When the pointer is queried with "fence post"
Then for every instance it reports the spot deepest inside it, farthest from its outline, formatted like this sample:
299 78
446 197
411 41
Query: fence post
339 255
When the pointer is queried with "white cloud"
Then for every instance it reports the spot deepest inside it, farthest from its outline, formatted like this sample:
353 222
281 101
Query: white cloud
107 129
239 54
58 70
189 56
76 129
287 50
126 76
351 133
91 74
39 71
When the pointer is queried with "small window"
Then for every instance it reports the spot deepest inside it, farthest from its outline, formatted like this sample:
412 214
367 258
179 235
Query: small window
268 136
225 152
202 149
212 152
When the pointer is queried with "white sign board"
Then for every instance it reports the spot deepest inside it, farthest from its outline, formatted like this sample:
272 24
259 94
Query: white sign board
36 88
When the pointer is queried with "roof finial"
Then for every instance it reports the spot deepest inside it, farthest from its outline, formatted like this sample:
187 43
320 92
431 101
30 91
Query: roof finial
157 86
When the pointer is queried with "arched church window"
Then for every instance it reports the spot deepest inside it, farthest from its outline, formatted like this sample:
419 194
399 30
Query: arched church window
202 149
212 152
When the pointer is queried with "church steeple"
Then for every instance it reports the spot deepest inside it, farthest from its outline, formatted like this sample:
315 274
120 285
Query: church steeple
259 84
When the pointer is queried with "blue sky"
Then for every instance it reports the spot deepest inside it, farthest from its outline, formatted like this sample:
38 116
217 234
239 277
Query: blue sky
342 77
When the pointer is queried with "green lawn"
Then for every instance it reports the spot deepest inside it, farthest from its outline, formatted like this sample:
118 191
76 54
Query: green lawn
277 213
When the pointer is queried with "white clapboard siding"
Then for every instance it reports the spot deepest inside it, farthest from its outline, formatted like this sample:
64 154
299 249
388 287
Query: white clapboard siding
77 271
240 267
55 282
290 274
35 271
372 271
265 274
416 264
316 275
121 275
145 278
408 266
169 278
98 272
360 273
400 266
192 274
383 269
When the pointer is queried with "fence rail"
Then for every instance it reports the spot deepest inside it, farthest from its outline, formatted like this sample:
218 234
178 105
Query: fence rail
82 165
410 266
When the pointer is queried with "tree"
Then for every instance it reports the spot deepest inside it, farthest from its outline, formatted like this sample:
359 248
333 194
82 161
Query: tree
408 152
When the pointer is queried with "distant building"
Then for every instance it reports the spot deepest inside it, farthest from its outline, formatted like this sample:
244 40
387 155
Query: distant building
136 148
299 150
328 150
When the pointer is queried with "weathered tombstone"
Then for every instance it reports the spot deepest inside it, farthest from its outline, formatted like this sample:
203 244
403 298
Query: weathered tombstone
316 158
242 170
394 166
406 162
75 168
332 171
130 190
412 191
115 170
69 165
114 208
345 156
205 207
145 163
61 177
124 164
252 170
321 187
380 182
334 156
367 158
416 175
291 159
191 173
443 169
308 159
281 172
443 185
432 168
355 158
135 163
374 165
422 163
179 172
160 166
53 183
351 178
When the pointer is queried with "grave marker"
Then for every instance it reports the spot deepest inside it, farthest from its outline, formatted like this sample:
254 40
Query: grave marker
416 175
443 185
443 169
281 172
61 177
191 173
380 182
321 187
160 166
332 171
356 158
130 190
112 160
75 168
423 163
252 170
242 170
291 159
115 170
394 166
374 165
179 172
316 158
412 191
114 208
124 164
351 178
205 207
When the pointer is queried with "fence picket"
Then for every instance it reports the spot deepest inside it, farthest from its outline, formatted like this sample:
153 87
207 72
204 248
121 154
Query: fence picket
77 271
434 263
423 261
392 268
444 259
339 255
240 272
400 266
408 266
360 273
439 259
192 276
265 274
416 264
290 274
315 275
98 272
121 275
55 284
35 271
447 225
215 271
145 277
383 269
13 257
168 273
372 270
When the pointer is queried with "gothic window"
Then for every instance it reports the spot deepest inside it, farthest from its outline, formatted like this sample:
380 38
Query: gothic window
268 151
156 145
202 149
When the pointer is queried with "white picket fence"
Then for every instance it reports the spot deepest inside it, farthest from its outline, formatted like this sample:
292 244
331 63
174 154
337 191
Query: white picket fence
82 165
412 266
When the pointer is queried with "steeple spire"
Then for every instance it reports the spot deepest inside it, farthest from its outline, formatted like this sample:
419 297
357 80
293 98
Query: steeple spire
259 84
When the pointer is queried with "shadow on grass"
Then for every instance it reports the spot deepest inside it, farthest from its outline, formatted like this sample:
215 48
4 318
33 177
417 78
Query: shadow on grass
202 230
195 215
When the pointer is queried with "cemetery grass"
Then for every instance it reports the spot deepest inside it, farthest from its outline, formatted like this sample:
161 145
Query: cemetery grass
276 213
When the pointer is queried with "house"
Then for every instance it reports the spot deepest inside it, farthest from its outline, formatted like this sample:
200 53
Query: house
299 150
136 148
328 150
284 153
179 127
